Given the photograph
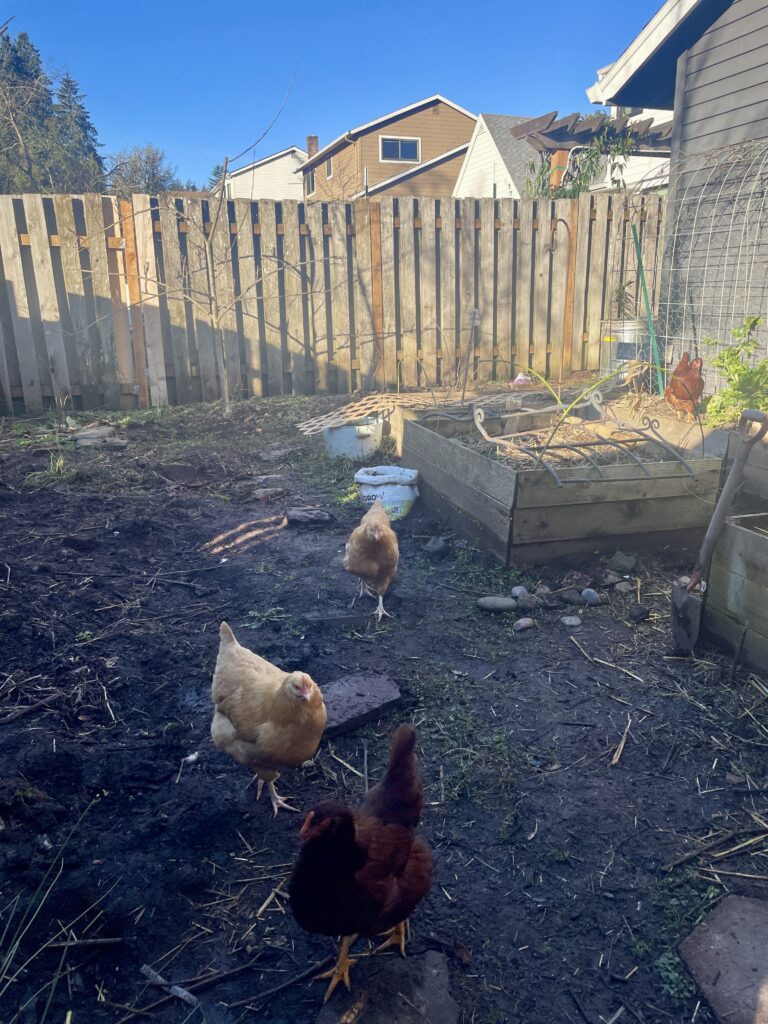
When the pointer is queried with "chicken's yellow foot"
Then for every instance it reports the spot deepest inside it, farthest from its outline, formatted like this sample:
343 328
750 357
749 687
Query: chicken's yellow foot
395 937
380 612
340 970
277 800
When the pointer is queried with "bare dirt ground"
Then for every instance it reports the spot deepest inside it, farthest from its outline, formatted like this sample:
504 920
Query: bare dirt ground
588 796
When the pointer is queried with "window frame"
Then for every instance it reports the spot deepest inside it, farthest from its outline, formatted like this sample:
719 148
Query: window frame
400 138
329 167
311 180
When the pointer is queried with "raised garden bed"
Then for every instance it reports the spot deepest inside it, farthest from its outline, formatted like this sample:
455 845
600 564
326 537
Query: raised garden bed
736 609
532 515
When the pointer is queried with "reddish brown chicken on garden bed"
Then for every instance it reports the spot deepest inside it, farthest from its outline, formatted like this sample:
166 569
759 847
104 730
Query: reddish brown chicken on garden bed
686 386
363 871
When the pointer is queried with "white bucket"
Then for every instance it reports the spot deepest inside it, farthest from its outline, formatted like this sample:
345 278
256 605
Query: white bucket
395 485
355 441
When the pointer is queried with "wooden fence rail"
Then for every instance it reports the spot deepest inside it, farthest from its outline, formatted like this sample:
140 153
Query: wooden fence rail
119 304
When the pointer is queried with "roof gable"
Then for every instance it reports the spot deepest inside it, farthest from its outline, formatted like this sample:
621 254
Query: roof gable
515 153
268 159
644 75
394 115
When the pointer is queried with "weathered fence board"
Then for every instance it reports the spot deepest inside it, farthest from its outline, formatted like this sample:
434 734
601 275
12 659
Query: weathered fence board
160 293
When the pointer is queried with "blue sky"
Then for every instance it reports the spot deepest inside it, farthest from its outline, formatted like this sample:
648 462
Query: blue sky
201 84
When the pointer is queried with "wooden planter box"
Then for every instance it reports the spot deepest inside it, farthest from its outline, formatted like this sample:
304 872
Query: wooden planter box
737 595
523 516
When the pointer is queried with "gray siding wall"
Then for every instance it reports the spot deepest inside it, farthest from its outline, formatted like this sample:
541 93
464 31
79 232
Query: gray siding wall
725 99
716 233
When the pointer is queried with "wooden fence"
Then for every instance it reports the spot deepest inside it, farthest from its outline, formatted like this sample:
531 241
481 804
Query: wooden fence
122 304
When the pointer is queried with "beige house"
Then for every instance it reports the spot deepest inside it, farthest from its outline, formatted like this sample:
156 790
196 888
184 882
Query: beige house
417 150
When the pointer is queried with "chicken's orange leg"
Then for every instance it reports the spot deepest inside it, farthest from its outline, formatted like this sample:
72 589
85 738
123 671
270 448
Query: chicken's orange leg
395 937
340 970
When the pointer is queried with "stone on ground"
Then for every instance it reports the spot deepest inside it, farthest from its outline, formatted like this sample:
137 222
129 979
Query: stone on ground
308 516
726 954
355 699
621 562
522 624
390 990
497 604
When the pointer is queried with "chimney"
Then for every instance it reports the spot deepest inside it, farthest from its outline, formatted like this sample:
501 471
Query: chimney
311 146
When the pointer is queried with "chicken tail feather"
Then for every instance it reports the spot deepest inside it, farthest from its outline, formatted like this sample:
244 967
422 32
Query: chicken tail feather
226 635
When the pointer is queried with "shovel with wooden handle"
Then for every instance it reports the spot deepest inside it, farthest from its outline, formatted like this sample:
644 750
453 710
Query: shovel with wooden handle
688 600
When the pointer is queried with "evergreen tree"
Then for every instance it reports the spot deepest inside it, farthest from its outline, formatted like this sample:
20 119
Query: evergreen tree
215 177
26 118
47 142
82 167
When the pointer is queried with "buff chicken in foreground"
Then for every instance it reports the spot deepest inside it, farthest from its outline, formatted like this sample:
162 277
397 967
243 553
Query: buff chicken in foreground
371 554
363 871
264 718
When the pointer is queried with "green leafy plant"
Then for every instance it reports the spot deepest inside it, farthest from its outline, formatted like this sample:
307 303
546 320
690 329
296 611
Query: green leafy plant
584 166
622 293
747 378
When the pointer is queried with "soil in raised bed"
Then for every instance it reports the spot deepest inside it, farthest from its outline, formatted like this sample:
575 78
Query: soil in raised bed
564 772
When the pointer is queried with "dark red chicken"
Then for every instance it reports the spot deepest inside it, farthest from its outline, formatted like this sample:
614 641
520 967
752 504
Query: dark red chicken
363 871
686 386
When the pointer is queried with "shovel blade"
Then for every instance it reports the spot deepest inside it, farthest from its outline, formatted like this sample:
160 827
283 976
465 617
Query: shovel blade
686 617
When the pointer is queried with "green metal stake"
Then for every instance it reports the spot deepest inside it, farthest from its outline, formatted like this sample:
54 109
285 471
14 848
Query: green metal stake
648 313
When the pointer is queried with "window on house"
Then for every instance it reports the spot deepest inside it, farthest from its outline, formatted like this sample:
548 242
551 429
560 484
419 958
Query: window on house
400 150
310 182
329 167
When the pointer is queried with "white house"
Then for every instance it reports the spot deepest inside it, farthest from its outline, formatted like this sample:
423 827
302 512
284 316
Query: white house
271 177
496 164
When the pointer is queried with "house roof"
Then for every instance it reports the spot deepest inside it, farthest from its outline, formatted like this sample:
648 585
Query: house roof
354 133
411 172
644 75
266 160
515 152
